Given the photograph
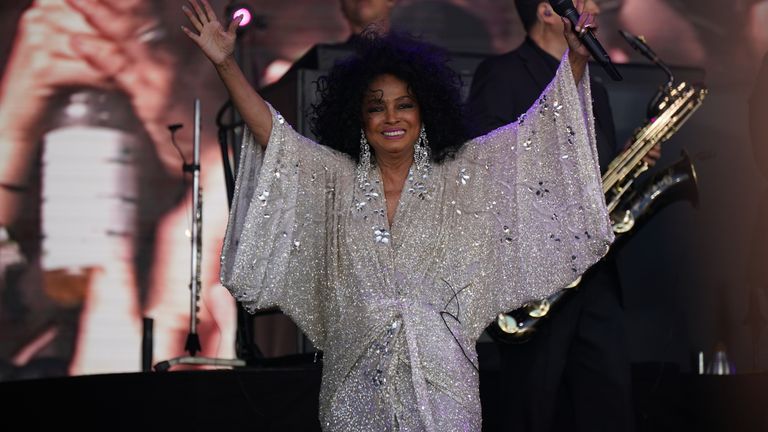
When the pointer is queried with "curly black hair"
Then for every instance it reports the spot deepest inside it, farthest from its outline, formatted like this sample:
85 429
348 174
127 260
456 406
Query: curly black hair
337 119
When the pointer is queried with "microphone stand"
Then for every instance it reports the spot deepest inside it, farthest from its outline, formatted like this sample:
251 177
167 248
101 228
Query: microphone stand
193 340
639 44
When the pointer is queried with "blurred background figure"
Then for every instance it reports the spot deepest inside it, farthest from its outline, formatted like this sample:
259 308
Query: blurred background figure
363 14
358 15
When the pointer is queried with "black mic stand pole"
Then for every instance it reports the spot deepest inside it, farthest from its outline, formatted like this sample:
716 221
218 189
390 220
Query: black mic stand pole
193 340
639 44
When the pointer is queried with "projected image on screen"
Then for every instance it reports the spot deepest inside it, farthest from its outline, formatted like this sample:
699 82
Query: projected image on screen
93 196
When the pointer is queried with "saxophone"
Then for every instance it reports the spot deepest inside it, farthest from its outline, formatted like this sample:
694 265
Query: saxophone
668 111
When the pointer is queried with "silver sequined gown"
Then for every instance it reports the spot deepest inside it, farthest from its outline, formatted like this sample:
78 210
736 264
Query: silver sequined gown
397 309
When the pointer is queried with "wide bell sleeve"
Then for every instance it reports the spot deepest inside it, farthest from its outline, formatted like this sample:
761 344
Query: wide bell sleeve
531 205
275 246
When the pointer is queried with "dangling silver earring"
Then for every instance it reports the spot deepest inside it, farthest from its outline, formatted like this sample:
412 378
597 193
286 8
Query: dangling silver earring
421 151
364 163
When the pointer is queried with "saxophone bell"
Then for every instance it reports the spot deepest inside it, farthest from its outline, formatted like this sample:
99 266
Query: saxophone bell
686 181
678 182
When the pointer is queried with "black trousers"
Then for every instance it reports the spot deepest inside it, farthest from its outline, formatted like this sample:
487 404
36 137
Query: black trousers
574 374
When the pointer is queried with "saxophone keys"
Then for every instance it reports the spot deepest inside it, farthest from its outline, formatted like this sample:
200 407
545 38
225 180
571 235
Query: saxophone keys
539 309
507 323
622 222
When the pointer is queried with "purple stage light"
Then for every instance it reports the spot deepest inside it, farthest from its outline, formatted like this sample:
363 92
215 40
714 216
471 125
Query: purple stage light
246 13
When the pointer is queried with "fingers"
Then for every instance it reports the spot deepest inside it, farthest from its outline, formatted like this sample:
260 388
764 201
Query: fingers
581 25
130 25
209 11
234 24
102 53
192 35
653 155
108 21
568 26
96 14
134 7
580 6
192 18
43 40
49 18
199 11
570 34
54 3
79 73
105 56
591 22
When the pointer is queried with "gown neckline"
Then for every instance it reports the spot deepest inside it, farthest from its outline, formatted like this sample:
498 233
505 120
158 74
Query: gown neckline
401 201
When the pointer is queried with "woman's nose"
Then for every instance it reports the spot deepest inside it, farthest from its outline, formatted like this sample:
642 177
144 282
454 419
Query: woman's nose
391 115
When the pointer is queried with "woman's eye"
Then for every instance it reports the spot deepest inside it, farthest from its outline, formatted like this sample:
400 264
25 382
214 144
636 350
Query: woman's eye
407 105
375 109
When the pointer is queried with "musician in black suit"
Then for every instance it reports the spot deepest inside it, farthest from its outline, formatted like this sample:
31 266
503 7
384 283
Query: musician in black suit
360 16
574 374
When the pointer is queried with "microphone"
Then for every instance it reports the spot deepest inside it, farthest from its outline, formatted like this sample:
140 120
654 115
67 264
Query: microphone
565 9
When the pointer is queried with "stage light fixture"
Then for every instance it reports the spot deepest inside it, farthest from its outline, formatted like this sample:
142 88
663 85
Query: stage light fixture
247 16
235 10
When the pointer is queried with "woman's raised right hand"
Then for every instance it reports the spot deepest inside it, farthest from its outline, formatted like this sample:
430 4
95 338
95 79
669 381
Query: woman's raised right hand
217 43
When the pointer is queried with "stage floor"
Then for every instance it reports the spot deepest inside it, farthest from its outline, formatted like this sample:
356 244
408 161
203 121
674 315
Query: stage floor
285 399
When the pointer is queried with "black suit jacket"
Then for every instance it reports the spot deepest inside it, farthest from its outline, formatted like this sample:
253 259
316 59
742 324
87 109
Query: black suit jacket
505 86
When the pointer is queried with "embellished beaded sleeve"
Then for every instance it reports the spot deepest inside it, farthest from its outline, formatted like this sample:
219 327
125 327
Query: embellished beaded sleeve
532 192
275 244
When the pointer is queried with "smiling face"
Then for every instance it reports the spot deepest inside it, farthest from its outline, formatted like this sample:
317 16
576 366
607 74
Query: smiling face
391 118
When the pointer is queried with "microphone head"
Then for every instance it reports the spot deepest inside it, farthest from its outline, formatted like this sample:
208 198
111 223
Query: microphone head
562 7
